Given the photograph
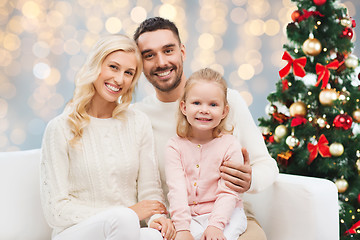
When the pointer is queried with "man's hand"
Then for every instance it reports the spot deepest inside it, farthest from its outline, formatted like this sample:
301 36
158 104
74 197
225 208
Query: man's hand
165 226
213 233
147 208
237 176
184 235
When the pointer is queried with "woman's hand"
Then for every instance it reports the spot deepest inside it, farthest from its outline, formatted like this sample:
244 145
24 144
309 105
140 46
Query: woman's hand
165 226
147 208
237 176
184 235
213 233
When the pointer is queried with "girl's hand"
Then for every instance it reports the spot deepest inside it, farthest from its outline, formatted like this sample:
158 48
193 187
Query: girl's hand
147 208
165 226
213 233
184 235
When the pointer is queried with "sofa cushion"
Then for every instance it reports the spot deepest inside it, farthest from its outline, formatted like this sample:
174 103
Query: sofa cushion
21 215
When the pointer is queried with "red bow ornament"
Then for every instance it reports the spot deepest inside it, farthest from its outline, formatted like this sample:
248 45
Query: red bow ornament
324 73
353 229
298 120
297 64
321 147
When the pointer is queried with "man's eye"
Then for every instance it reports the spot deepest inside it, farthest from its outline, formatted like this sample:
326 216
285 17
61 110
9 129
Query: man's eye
148 56
168 51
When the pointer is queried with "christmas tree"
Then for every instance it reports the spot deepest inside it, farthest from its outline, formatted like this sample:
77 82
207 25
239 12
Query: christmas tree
312 127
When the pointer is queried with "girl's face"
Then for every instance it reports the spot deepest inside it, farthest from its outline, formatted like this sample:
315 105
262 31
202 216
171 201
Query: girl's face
116 75
204 106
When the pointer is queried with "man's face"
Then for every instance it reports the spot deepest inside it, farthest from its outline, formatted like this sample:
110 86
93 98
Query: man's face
163 58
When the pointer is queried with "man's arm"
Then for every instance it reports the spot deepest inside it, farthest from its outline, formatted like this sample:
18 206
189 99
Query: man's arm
237 176
260 169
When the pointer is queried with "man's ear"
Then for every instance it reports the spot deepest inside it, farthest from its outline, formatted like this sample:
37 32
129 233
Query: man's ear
226 111
183 51
183 107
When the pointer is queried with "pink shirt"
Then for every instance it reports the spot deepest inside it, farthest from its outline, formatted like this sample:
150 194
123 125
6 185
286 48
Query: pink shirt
193 177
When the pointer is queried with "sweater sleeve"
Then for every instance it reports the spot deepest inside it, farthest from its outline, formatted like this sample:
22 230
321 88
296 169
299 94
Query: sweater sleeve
60 212
176 181
149 184
226 199
264 167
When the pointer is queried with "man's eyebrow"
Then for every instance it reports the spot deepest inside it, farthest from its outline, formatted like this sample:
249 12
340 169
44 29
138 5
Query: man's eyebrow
164 47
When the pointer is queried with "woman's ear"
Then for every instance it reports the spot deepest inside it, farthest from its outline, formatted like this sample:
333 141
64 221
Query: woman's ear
226 111
183 107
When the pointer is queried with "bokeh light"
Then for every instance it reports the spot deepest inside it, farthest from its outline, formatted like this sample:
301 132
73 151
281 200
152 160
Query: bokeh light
43 44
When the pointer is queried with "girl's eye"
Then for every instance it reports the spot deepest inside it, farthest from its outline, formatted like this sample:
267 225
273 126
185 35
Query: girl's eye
213 104
196 103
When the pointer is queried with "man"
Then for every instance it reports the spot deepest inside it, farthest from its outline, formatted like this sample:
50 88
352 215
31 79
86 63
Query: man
163 55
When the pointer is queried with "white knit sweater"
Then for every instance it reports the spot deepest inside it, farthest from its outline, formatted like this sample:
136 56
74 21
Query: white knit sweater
114 165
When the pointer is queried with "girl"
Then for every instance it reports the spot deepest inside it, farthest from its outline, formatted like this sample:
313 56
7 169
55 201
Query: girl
99 176
201 206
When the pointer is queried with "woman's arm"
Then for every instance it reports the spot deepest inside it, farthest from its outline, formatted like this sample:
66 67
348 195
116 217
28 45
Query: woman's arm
59 210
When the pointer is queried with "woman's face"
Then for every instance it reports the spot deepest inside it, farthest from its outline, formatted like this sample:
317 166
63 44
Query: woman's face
116 75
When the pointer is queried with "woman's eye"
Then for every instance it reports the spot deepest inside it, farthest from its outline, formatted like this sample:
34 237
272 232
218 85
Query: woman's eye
129 73
113 67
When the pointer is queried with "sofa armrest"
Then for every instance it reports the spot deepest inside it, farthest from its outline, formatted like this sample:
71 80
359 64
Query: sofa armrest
297 208
21 214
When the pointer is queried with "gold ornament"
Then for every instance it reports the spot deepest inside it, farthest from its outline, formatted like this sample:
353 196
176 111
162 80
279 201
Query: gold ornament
297 109
351 61
321 122
280 132
344 96
358 165
346 22
292 141
328 96
336 149
342 185
356 115
312 47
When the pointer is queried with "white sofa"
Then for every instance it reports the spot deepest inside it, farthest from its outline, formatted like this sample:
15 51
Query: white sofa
294 208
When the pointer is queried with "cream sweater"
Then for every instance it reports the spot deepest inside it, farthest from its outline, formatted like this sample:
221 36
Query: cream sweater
114 165
163 119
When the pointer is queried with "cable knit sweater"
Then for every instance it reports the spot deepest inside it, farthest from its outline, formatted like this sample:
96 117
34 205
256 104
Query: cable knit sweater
113 165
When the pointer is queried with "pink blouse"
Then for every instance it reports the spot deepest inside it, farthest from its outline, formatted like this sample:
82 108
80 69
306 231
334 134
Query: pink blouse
193 177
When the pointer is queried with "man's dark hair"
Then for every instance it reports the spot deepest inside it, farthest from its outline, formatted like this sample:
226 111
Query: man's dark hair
156 23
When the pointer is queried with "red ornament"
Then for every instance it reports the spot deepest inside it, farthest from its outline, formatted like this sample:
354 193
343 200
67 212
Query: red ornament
359 76
295 15
319 2
343 121
321 147
347 32
353 23
359 198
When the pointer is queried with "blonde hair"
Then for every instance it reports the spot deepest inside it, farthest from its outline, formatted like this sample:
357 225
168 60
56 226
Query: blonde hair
183 128
78 106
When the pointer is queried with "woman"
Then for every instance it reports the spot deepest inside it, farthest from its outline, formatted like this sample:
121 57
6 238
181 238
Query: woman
99 176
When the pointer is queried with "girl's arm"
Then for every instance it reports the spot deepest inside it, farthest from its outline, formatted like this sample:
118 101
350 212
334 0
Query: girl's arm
176 181
226 199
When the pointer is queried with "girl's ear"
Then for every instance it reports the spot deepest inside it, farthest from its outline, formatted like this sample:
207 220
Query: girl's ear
225 112
183 107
